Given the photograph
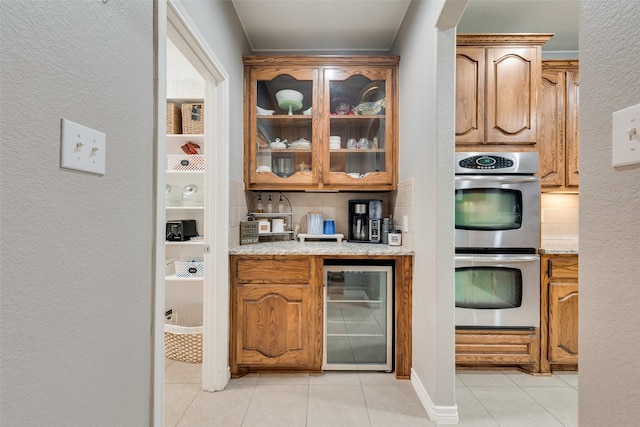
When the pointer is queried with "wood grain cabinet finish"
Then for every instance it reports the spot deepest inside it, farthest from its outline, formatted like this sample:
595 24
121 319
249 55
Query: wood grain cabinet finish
276 313
276 319
325 82
497 90
558 130
495 347
559 311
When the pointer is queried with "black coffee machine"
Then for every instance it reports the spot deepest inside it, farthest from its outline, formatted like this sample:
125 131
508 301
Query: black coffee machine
365 220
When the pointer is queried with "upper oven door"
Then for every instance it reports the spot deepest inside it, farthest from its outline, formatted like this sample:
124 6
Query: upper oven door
497 211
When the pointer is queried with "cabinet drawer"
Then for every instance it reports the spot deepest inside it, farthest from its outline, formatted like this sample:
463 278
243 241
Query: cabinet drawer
566 267
274 269
497 347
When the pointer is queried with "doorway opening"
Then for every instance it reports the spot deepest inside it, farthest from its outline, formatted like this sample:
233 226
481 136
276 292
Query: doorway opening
175 28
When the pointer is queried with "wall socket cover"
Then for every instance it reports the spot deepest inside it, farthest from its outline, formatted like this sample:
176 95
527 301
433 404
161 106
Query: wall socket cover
625 143
82 148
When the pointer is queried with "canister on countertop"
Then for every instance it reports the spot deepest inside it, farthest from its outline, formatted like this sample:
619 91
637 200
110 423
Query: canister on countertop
329 227
395 238
314 223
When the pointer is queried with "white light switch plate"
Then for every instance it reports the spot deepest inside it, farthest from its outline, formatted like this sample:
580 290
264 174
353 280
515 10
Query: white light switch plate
626 136
82 148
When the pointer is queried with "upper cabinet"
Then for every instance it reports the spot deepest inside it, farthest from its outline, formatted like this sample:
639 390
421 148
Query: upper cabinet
497 90
321 122
558 142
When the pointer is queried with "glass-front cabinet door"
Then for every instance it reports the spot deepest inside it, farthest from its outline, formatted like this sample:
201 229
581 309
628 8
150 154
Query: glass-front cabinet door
320 123
358 107
281 130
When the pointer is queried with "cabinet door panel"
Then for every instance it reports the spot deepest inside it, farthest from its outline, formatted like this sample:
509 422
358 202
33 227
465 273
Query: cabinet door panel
572 139
551 129
273 325
470 87
276 166
366 152
513 76
563 322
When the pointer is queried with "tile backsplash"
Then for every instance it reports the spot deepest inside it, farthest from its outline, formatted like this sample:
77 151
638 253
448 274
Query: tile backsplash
559 216
332 205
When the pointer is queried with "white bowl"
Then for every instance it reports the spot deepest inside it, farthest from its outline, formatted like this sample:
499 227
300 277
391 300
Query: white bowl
289 95
307 112
263 112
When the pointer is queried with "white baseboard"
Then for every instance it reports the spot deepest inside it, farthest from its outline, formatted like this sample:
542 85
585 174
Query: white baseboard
437 414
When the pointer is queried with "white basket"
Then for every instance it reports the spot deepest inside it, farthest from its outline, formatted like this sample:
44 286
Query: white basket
185 162
183 333
169 266
190 268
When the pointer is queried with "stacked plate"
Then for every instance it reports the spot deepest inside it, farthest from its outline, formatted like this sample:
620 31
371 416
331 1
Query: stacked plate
334 142
301 143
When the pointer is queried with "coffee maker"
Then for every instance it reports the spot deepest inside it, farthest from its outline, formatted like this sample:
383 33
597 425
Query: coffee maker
365 220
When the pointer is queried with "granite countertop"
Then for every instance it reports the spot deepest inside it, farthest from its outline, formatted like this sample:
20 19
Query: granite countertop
559 247
319 248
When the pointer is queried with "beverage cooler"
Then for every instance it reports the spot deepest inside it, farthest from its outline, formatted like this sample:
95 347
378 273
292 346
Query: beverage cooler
358 313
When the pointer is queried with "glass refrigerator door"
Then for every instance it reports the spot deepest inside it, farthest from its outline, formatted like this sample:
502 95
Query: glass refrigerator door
358 318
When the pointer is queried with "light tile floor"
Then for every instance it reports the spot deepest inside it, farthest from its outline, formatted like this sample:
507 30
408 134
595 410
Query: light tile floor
367 399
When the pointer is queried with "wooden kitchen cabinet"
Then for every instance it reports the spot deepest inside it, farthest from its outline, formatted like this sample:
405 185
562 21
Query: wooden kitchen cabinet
497 91
276 318
350 98
558 144
559 311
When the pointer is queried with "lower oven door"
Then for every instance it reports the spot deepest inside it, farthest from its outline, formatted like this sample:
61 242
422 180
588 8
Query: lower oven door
497 290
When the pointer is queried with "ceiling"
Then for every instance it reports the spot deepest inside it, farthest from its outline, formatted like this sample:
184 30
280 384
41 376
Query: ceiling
330 26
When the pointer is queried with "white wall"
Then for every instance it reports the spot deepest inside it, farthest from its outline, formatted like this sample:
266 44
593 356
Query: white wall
183 80
427 73
219 25
609 221
76 248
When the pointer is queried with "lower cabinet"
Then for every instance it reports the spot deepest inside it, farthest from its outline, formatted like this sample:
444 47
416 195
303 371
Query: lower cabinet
559 312
277 313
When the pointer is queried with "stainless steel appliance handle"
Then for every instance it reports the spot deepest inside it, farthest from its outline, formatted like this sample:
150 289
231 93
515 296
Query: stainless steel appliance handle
498 178
495 258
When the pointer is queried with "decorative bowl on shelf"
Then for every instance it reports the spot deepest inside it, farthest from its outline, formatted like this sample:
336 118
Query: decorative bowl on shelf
263 112
289 99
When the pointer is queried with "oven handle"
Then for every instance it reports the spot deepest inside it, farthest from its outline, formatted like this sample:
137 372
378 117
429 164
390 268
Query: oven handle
498 258
499 178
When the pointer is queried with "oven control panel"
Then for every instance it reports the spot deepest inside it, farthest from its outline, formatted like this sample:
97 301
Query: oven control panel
486 162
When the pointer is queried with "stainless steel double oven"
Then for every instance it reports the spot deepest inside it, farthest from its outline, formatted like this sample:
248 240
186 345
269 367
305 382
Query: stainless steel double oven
497 233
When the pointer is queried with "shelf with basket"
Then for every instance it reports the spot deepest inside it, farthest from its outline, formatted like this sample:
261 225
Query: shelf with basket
185 199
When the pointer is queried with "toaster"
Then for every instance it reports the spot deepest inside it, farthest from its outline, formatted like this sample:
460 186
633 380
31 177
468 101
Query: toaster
181 230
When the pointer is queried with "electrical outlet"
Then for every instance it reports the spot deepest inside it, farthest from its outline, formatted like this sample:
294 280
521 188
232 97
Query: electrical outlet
82 148
626 136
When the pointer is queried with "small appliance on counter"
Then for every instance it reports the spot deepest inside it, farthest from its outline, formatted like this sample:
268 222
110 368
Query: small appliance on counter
365 220
181 230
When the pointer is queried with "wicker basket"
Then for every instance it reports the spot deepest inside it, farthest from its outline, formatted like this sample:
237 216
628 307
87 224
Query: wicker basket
174 119
183 334
193 118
